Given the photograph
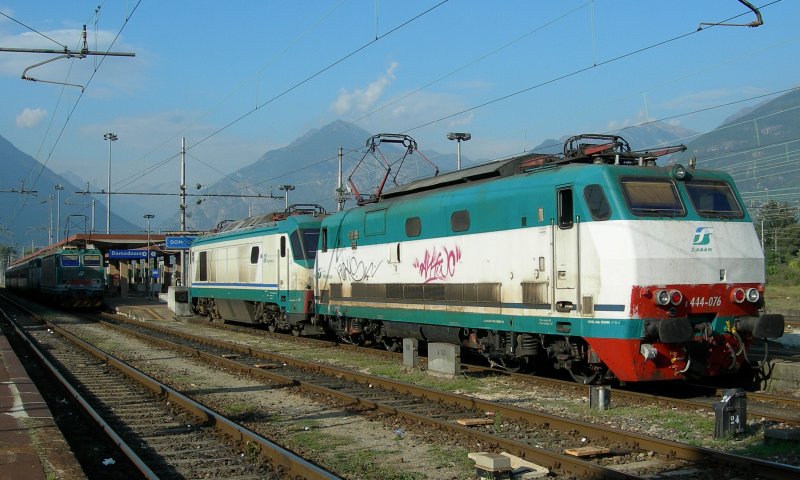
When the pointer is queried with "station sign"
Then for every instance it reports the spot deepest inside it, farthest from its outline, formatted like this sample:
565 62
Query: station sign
179 243
125 254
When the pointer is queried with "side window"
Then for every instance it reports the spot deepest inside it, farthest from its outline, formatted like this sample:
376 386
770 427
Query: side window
413 227
283 246
459 221
202 267
324 242
565 210
254 255
597 203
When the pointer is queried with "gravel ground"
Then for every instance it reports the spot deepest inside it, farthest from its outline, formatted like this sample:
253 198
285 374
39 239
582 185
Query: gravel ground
320 431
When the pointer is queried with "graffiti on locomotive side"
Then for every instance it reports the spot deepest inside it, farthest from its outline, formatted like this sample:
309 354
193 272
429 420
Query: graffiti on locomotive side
438 264
356 270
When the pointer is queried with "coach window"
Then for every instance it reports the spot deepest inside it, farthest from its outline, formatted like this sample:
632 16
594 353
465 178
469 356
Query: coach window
596 201
254 251
459 221
202 267
283 246
413 227
565 210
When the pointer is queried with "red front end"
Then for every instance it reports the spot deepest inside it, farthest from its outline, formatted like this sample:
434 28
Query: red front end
688 330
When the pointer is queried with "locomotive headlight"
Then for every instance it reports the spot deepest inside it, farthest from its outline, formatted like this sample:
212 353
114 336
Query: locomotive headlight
753 295
678 172
738 295
661 297
675 297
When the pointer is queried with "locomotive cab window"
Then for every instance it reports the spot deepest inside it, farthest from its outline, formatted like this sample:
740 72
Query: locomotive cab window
596 201
565 208
70 261
713 199
91 260
652 197
459 221
324 240
304 244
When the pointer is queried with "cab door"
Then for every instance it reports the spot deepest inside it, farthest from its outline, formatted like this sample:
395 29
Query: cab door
565 251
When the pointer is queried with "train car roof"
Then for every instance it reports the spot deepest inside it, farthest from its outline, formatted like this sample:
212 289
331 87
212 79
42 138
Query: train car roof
497 169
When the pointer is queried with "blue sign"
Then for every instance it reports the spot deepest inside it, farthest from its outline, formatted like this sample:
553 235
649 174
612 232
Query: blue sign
120 254
154 273
179 243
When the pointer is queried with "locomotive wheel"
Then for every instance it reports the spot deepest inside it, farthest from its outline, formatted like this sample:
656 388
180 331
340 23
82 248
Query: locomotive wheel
510 366
391 345
272 327
296 331
584 375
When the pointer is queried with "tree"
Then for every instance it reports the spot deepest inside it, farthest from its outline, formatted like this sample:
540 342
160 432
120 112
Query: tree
777 223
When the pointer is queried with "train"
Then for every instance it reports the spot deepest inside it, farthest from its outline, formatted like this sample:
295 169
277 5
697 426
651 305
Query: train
66 276
596 261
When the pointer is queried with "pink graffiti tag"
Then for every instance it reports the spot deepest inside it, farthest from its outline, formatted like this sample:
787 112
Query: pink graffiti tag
438 265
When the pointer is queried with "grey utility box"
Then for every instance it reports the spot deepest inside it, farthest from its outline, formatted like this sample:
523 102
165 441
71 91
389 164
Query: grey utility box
731 413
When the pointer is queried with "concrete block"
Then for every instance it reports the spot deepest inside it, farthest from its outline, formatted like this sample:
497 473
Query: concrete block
525 470
444 358
178 300
491 462
411 352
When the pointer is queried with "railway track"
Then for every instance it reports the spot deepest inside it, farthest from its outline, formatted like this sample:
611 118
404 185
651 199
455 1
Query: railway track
421 405
161 432
770 407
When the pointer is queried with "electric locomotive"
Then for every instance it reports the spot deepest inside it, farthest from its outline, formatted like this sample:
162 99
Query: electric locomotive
259 270
69 276
598 262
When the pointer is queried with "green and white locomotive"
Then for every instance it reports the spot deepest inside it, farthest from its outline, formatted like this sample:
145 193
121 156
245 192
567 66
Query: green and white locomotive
597 261
259 270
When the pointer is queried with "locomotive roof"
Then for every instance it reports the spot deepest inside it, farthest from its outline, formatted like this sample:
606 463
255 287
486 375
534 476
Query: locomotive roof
497 169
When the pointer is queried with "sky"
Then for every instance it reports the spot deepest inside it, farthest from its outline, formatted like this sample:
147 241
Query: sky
239 78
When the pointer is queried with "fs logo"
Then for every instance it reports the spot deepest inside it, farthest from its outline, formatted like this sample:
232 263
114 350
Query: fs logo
702 238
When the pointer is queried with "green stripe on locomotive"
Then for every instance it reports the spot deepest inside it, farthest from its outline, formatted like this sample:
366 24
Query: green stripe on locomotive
292 300
621 328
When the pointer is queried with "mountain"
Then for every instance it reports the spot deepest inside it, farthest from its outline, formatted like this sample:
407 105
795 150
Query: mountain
310 165
759 146
25 218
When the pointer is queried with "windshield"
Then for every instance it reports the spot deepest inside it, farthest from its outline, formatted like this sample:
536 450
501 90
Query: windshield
304 244
714 199
652 197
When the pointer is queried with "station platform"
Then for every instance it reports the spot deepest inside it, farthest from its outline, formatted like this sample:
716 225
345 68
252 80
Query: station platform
31 444
140 307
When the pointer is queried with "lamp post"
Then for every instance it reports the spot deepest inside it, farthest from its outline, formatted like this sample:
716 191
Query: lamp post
147 270
286 189
111 137
458 137
58 189
50 232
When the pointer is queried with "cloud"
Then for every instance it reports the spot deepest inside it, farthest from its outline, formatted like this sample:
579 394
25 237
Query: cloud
362 99
29 118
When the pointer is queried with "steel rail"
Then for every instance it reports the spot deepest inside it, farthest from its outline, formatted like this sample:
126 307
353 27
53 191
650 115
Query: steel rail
790 418
671 449
551 460
279 457
115 438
